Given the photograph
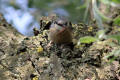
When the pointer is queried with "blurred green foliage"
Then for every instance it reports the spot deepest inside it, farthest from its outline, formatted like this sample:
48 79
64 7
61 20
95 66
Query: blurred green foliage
73 7
116 1
110 1
78 10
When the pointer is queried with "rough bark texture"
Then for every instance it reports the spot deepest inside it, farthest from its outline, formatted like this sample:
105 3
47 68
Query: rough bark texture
28 58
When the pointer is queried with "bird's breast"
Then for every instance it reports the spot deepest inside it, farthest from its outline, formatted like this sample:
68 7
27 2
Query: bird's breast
60 36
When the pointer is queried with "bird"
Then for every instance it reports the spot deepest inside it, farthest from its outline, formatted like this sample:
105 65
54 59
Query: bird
60 32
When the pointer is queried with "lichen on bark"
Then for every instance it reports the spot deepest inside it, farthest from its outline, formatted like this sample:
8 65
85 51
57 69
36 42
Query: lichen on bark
26 58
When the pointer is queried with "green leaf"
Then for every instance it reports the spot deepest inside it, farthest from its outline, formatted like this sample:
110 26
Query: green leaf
87 39
117 21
